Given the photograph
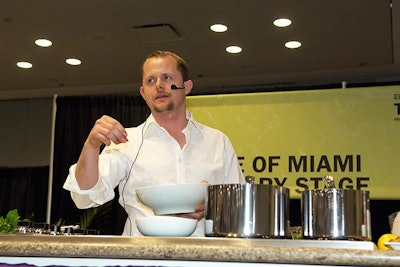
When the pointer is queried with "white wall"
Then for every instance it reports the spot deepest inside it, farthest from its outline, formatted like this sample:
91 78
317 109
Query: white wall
25 130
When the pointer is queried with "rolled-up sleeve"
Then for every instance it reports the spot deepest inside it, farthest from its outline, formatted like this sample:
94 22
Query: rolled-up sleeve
93 197
111 170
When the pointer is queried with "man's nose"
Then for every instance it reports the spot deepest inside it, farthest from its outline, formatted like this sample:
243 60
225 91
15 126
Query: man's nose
160 84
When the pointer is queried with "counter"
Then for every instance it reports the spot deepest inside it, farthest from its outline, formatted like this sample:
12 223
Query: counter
45 250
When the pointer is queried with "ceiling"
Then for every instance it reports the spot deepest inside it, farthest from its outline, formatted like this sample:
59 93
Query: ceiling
357 41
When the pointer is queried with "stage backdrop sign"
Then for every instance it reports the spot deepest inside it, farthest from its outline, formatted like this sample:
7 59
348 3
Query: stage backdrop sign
295 138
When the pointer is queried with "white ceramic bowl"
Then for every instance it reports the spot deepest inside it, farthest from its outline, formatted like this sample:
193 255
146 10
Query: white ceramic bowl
166 226
173 198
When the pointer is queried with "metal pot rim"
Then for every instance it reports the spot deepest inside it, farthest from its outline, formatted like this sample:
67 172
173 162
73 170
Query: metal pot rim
249 185
334 189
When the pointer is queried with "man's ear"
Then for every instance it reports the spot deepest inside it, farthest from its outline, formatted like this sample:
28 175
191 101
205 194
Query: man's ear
188 86
141 90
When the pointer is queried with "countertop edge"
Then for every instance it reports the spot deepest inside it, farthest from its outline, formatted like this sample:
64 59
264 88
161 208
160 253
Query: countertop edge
232 250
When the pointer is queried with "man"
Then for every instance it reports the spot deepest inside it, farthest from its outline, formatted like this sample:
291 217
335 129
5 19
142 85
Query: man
169 147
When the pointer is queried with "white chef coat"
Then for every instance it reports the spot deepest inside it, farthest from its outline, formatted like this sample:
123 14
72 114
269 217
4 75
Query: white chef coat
153 157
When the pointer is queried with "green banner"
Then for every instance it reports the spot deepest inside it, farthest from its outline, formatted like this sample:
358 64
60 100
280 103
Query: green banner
295 138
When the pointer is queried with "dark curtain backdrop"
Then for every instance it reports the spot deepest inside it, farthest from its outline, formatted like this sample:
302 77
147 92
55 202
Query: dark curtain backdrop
24 189
75 118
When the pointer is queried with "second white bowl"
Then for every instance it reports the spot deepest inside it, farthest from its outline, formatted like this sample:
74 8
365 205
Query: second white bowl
166 226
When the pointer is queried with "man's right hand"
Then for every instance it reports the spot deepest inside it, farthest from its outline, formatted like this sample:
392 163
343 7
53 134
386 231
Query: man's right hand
105 131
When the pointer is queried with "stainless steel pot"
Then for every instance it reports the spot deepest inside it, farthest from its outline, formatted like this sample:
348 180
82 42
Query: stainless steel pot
336 214
247 210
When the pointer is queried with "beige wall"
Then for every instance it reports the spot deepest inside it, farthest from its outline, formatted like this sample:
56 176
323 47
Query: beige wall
25 129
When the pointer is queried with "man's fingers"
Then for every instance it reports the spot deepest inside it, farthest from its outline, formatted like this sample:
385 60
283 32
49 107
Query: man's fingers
107 130
199 207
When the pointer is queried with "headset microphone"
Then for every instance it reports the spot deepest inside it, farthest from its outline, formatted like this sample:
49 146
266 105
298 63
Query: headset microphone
174 87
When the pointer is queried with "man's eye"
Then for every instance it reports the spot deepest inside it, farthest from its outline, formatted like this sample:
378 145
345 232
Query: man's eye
150 81
167 77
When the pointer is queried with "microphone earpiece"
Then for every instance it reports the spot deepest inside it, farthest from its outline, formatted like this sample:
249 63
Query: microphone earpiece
174 87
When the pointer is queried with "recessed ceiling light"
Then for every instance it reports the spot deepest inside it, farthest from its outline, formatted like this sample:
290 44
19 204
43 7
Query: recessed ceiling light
293 44
43 42
283 22
219 28
73 61
233 49
24 65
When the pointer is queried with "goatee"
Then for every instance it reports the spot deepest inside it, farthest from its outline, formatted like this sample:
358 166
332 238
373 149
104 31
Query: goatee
170 107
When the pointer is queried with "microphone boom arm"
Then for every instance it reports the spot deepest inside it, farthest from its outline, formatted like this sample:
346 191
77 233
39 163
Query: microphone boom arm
174 87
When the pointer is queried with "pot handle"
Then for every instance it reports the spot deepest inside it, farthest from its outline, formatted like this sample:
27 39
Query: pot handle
329 182
249 179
